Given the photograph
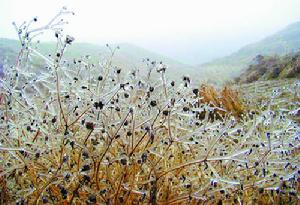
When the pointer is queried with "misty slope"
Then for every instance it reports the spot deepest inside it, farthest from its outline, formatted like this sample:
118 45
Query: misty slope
128 56
281 43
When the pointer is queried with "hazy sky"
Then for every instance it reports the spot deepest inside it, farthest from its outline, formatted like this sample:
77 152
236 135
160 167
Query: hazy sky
192 31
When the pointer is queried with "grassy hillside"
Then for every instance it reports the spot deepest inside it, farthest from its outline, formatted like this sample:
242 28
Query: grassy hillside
281 43
272 67
128 56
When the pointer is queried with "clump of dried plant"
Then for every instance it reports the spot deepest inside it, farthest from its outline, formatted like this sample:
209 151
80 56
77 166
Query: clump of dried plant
82 133
227 101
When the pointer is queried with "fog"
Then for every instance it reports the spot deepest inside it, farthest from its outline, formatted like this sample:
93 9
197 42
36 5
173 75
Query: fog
190 31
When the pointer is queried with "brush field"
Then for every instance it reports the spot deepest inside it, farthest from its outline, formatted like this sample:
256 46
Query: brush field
83 133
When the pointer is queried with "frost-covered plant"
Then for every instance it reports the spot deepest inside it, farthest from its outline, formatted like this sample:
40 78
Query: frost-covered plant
27 35
78 133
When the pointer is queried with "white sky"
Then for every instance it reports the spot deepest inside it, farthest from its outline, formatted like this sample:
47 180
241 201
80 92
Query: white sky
183 29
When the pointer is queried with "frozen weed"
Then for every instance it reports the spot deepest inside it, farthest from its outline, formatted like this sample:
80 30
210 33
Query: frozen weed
80 133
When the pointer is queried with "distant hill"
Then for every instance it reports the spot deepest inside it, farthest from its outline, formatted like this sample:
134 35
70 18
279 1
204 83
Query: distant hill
281 43
128 56
8 50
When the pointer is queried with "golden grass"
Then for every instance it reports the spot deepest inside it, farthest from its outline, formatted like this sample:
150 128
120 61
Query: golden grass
227 99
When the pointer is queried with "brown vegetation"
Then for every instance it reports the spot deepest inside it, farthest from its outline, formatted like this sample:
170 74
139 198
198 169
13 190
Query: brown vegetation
226 101
271 67
4 193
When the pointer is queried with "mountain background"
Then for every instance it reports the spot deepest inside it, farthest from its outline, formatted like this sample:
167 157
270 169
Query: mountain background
130 56
282 43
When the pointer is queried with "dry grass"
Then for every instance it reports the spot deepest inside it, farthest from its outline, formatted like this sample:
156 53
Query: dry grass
4 193
227 99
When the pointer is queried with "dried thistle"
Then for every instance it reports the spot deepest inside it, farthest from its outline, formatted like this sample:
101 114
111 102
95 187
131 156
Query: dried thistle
95 141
